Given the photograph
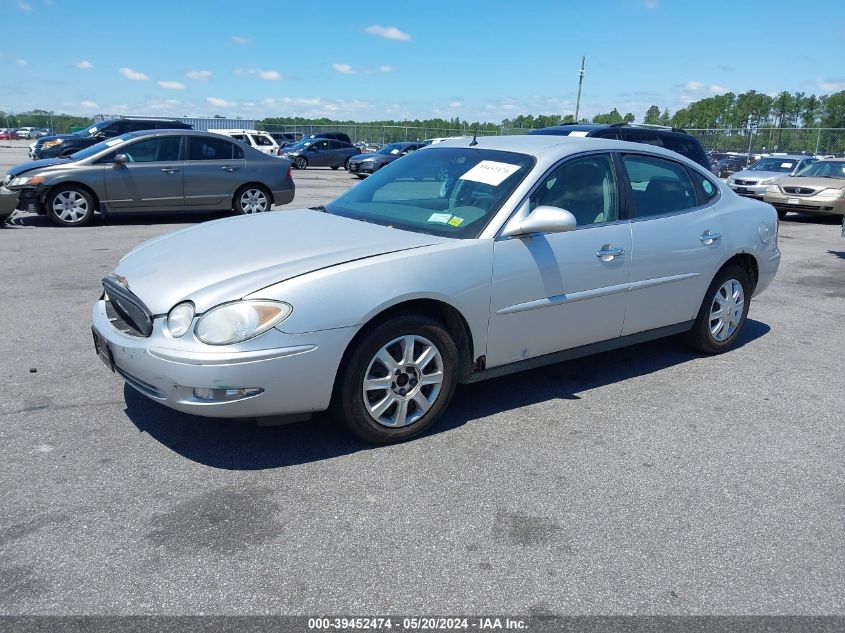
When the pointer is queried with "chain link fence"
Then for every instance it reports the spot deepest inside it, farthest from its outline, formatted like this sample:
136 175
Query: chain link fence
373 134
814 141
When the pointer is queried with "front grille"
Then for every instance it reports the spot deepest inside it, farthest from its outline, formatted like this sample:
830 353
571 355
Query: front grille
804 191
802 207
745 182
130 312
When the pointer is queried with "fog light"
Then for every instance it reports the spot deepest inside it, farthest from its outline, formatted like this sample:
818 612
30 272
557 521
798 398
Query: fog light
226 395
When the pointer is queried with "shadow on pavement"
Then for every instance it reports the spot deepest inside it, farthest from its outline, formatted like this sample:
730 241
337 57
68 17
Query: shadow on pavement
242 445
31 220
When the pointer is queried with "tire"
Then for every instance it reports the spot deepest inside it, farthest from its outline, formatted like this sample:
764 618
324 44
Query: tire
252 199
70 206
360 176
346 164
378 416
335 166
712 335
781 214
300 162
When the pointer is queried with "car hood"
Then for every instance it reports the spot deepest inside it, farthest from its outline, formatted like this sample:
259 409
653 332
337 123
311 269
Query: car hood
37 164
360 157
752 174
56 137
225 260
811 182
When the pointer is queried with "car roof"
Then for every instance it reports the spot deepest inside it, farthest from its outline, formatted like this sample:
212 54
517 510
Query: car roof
787 156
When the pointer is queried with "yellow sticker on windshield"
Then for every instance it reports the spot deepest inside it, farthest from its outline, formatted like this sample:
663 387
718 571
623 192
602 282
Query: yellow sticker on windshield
455 221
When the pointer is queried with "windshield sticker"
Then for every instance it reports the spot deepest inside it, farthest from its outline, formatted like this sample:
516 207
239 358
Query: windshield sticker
114 141
708 188
578 133
394 151
92 131
442 218
490 172
786 165
455 221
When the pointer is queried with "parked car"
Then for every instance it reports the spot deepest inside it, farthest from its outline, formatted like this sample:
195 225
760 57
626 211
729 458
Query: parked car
8 203
377 304
819 188
365 164
753 181
261 141
320 152
674 139
162 170
728 165
338 136
283 139
7 134
27 132
67 144
44 131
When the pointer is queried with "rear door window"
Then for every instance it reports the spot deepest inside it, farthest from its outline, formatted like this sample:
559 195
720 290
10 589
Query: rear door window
202 148
658 186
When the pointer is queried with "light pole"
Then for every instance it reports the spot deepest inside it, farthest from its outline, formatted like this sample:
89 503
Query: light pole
580 81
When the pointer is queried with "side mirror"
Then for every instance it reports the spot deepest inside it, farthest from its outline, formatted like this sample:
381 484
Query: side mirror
120 160
543 219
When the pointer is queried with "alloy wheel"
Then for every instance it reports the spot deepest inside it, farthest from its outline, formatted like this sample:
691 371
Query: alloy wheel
403 380
254 201
726 310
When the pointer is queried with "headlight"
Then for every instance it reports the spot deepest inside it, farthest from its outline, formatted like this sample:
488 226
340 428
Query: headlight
772 189
830 194
768 181
24 180
239 321
368 160
180 318
730 181
52 143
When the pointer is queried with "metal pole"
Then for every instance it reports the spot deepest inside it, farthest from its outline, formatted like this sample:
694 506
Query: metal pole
750 137
580 81
818 138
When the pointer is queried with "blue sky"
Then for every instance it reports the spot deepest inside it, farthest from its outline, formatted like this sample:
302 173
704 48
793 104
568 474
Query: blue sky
478 60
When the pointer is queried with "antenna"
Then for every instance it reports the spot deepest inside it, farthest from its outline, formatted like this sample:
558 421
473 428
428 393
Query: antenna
580 81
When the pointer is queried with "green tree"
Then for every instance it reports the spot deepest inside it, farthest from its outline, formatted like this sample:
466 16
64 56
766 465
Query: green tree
652 116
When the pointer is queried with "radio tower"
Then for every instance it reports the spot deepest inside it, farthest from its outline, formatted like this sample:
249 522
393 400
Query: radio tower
580 81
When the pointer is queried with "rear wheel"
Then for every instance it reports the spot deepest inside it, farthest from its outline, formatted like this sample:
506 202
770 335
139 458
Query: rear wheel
301 162
70 206
346 164
723 312
397 381
335 166
251 199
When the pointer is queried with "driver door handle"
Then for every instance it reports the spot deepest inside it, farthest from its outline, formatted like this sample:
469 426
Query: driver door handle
608 252
708 237
169 170
229 169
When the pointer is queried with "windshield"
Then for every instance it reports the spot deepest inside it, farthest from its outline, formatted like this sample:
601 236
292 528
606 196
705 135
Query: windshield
773 163
824 169
99 147
91 130
452 191
393 148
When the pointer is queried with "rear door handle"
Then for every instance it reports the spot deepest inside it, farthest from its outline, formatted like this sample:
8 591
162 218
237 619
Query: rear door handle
708 237
608 252
229 169
169 170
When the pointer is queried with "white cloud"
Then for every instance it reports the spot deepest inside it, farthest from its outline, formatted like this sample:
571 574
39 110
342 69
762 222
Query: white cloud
199 75
830 86
389 32
23 6
240 40
343 69
90 105
455 104
386 69
716 89
133 75
651 4
269 75
694 85
171 85
84 64
21 62
217 102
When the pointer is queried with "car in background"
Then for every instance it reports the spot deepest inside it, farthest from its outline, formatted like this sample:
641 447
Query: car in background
27 132
283 139
377 304
728 165
8 134
365 164
674 139
440 139
44 131
338 136
753 181
152 171
262 141
320 152
67 144
819 189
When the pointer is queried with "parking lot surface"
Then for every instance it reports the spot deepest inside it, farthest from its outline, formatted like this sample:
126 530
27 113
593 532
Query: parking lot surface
647 480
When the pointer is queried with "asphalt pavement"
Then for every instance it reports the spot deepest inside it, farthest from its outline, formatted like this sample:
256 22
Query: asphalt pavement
648 480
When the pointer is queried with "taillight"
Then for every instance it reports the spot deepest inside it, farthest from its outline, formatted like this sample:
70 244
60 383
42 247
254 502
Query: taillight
290 173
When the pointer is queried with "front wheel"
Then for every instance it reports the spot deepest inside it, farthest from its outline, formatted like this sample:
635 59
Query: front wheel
781 214
397 381
70 206
335 167
723 312
300 162
251 199
346 164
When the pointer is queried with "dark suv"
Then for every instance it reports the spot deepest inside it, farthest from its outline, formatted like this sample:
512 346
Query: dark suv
338 136
673 139
67 144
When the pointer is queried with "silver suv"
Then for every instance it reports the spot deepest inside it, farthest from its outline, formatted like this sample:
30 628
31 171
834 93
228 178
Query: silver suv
754 181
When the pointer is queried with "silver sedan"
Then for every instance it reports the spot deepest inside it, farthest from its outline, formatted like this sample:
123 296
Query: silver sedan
531 250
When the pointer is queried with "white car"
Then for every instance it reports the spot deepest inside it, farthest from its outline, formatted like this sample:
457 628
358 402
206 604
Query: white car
533 250
28 132
262 141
